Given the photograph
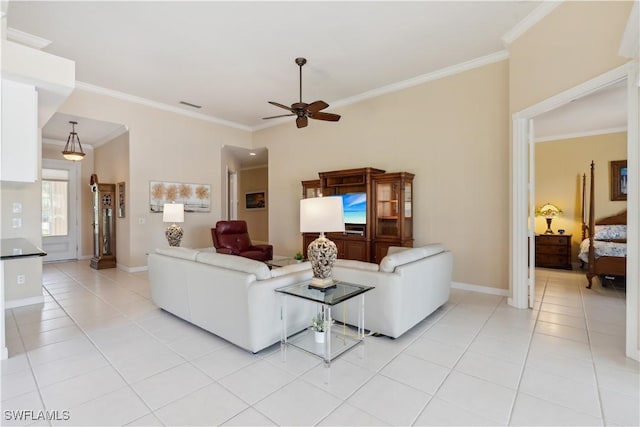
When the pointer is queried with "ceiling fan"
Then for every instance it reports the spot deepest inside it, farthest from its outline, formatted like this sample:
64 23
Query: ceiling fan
305 111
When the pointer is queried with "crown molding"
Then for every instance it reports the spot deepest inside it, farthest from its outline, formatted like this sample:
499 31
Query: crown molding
529 21
27 39
581 134
415 81
159 105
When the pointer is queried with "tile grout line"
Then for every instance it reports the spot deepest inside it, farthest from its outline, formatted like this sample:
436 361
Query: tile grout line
99 350
526 356
33 374
466 349
593 362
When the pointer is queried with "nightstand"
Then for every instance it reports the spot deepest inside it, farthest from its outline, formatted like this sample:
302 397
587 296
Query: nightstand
553 251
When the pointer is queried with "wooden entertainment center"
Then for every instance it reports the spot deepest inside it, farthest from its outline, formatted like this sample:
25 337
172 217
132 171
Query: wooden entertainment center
389 211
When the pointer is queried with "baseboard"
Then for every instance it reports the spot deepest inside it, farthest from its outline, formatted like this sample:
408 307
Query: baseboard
14 303
481 289
132 269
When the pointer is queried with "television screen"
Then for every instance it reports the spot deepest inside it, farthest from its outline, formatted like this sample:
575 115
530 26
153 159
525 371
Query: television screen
355 208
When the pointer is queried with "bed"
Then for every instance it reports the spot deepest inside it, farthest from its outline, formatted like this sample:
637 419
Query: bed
604 245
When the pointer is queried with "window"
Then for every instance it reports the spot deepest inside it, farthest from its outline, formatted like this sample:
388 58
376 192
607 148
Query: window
55 202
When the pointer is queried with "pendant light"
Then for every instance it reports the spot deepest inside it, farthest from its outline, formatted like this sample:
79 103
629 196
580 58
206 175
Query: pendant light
70 152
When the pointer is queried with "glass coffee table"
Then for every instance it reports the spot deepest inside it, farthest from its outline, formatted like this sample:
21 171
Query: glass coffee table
281 262
336 340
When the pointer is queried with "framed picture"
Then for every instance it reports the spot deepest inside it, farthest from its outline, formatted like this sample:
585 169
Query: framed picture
255 200
195 197
619 180
121 200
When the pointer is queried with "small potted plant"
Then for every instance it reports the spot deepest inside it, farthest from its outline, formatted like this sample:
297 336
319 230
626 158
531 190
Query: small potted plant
319 326
298 257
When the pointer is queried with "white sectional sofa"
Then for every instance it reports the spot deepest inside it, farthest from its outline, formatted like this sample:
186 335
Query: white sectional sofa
230 296
410 284
234 297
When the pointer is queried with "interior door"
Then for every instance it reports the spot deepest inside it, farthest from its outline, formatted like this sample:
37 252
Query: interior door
59 210
532 225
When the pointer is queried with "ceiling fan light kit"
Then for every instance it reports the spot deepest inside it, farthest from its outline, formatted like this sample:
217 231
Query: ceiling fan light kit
304 111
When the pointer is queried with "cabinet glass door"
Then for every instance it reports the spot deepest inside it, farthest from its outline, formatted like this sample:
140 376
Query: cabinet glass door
387 209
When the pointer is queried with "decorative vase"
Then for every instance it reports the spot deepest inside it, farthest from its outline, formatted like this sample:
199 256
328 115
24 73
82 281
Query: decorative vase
319 336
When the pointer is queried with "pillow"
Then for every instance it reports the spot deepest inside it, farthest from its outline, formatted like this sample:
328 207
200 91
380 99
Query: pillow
608 232
358 265
178 252
235 262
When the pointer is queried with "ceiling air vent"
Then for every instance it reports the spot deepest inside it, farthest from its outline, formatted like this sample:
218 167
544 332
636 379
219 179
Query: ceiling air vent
188 104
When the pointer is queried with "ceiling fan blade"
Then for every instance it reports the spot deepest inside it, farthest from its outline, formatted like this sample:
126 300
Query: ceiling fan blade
314 107
275 117
280 105
325 116
302 122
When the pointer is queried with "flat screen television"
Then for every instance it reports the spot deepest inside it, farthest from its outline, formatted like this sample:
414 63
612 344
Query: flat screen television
355 207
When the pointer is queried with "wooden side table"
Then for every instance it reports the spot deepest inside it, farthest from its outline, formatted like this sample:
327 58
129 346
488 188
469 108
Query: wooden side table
553 251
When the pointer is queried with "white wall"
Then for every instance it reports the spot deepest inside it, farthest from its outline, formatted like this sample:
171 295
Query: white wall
163 146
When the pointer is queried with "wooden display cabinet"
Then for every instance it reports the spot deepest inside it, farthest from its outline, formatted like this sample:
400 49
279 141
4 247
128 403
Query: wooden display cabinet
389 215
392 212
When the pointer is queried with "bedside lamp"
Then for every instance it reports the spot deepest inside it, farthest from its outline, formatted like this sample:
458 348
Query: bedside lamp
548 211
321 214
173 212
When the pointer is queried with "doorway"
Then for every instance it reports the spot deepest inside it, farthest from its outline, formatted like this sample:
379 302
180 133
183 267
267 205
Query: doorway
60 206
523 186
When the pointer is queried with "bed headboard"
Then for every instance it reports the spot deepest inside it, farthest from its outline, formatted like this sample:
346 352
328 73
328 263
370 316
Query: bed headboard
617 219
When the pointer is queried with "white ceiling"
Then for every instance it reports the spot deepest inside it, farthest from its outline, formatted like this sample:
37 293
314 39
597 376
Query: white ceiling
602 111
233 57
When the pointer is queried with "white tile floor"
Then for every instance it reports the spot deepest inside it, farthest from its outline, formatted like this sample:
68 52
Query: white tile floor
101 350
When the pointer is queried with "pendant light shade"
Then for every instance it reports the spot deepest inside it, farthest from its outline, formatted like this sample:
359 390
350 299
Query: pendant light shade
71 152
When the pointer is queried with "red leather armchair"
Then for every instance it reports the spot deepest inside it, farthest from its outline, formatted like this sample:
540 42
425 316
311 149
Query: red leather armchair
232 237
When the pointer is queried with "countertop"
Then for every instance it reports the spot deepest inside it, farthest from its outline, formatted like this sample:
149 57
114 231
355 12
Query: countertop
18 248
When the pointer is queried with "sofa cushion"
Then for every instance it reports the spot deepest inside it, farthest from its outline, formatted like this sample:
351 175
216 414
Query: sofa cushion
358 265
178 252
395 249
432 249
291 268
390 262
236 263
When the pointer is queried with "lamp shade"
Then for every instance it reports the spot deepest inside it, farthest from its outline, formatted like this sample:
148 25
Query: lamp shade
548 210
321 214
173 212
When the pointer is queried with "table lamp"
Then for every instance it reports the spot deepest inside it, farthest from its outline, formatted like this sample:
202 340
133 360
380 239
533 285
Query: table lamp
173 212
321 215
549 211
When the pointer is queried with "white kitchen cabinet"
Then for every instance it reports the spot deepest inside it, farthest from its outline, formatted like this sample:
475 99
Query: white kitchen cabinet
19 132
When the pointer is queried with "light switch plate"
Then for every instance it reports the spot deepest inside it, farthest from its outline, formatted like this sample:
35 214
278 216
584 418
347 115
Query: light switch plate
17 207
17 222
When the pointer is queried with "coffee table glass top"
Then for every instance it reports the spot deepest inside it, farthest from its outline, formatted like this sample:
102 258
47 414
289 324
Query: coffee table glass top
330 296
282 262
